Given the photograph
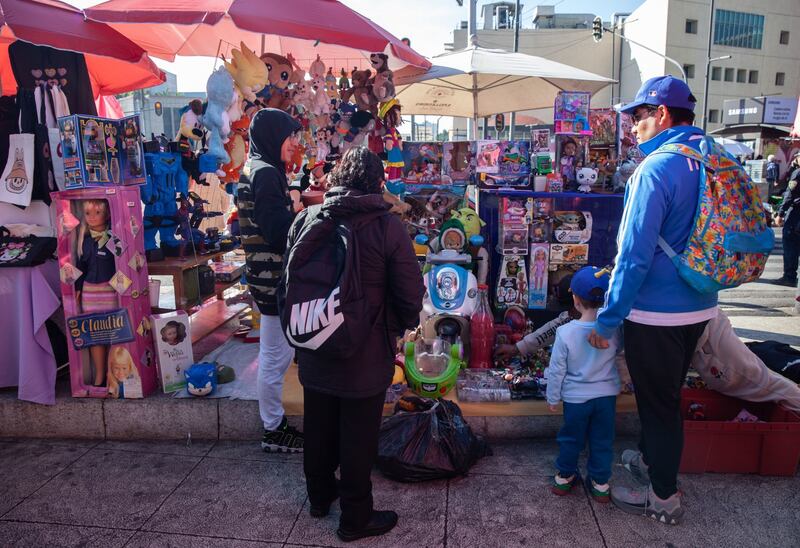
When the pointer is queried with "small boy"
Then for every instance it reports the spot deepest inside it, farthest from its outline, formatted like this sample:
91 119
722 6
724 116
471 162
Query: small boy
586 380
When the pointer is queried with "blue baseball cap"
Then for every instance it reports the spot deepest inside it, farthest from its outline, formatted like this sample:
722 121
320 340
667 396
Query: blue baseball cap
662 90
587 279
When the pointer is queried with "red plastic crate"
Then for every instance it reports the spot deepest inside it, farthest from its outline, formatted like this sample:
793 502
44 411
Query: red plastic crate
770 448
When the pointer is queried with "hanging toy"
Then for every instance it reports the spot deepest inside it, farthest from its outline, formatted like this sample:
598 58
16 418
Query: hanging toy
248 71
220 92
390 114
383 82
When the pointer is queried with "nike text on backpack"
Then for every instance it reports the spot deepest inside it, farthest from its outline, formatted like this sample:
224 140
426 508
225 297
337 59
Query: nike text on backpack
730 241
321 303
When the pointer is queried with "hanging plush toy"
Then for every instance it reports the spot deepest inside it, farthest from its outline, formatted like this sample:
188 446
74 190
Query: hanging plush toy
361 92
393 144
220 92
331 86
236 147
281 73
383 81
248 71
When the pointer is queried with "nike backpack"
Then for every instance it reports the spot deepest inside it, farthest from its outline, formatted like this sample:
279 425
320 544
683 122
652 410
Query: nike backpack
730 241
321 302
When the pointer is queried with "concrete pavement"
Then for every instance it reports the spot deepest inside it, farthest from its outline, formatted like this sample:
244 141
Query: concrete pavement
215 494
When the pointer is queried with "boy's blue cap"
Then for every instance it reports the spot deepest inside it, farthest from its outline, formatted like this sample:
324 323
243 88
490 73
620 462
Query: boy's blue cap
588 278
662 90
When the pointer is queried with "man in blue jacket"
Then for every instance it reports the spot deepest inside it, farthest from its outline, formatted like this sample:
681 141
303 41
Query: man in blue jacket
661 315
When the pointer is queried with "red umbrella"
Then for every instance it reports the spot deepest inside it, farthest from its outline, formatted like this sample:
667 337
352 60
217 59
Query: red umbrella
115 63
304 28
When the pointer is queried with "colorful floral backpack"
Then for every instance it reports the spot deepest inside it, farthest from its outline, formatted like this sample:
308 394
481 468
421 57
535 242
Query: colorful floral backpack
731 240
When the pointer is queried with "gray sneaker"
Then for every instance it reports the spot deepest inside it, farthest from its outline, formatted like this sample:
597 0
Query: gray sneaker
643 502
632 461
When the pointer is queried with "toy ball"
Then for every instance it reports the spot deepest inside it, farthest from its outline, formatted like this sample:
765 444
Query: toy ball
201 379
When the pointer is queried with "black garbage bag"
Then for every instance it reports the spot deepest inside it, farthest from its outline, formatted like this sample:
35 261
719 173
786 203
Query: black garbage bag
427 439
779 357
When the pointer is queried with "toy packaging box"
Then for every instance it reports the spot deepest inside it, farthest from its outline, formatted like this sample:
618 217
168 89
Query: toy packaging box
569 253
504 163
540 257
572 227
458 162
104 286
512 283
423 163
173 341
101 152
571 113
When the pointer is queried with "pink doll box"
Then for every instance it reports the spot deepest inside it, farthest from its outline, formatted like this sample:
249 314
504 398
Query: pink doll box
173 340
110 342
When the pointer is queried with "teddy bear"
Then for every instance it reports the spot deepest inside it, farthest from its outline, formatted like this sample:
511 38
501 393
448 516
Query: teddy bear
383 81
248 71
361 90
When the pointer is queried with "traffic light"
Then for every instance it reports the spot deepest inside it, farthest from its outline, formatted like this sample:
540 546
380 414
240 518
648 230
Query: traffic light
158 108
597 29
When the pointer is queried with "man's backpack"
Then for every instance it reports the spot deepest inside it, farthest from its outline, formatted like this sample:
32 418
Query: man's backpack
321 302
772 172
730 241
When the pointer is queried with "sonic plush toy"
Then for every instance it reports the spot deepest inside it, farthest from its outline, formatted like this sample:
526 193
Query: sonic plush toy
201 379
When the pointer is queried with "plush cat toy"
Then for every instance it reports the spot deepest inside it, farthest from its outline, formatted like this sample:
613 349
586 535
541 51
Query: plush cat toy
201 379
586 177
220 92
248 71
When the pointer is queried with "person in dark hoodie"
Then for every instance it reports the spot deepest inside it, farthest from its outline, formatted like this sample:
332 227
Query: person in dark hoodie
265 215
344 398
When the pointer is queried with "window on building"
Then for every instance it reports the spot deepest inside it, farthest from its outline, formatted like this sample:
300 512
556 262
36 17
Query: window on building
689 70
752 77
779 78
713 116
741 76
691 26
738 29
716 73
729 75
784 37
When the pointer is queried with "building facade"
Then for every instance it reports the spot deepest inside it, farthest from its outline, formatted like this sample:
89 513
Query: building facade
761 37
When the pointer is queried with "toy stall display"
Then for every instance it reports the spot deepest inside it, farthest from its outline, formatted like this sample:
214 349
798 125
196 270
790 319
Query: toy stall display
571 113
100 152
540 258
173 342
105 292
422 163
541 160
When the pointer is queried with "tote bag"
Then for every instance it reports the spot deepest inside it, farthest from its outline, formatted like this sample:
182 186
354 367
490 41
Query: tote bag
16 183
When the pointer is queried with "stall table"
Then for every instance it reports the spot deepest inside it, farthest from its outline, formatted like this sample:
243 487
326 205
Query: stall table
175 267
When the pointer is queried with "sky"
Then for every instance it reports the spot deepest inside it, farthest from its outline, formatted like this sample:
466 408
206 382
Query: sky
427 23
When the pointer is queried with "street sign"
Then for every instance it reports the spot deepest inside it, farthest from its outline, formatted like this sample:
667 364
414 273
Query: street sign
499 122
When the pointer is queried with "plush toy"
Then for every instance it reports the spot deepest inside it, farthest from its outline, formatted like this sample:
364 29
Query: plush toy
383 81
361 124
344 82
293 167
301 96
331 86
472 224
361 92
586 177
248 71
191 128
317 68
322 138
236 110
220 92
281 73
390 114
321 105
201 379
236 147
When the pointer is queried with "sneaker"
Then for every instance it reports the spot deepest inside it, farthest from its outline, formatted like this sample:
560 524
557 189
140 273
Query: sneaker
320 510
632 461
284 439
642 501
783 280
600 492
563 486
380 523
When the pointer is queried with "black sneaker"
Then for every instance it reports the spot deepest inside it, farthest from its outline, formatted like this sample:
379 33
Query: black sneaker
783 280
284 439
380 523
321 510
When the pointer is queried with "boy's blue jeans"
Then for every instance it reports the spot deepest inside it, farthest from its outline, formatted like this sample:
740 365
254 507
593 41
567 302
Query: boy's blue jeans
593 421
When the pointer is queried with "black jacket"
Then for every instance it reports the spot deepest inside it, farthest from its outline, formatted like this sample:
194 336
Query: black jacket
265 209
790 209
392 286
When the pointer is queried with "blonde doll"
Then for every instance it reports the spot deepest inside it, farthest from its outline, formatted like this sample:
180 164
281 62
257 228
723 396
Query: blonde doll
93 293
123 377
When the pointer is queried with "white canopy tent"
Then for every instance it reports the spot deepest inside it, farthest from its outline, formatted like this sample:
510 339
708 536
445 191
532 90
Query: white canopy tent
476 82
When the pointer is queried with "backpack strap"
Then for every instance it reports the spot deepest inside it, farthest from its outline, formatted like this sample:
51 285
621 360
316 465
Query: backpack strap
683 150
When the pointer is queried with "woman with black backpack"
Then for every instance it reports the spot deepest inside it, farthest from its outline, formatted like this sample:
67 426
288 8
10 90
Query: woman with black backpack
344 397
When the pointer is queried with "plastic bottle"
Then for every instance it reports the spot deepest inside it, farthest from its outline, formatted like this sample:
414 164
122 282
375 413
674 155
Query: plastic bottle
481 332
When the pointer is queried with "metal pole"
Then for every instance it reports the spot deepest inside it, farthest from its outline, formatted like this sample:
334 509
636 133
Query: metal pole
704 112
516 49
475 106
413 129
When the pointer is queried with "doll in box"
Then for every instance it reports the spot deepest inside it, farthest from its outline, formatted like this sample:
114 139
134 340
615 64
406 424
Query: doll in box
567 169
123 377
539 269
173 333
94 293
132 149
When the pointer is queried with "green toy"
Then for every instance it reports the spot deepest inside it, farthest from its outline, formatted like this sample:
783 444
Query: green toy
432 366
